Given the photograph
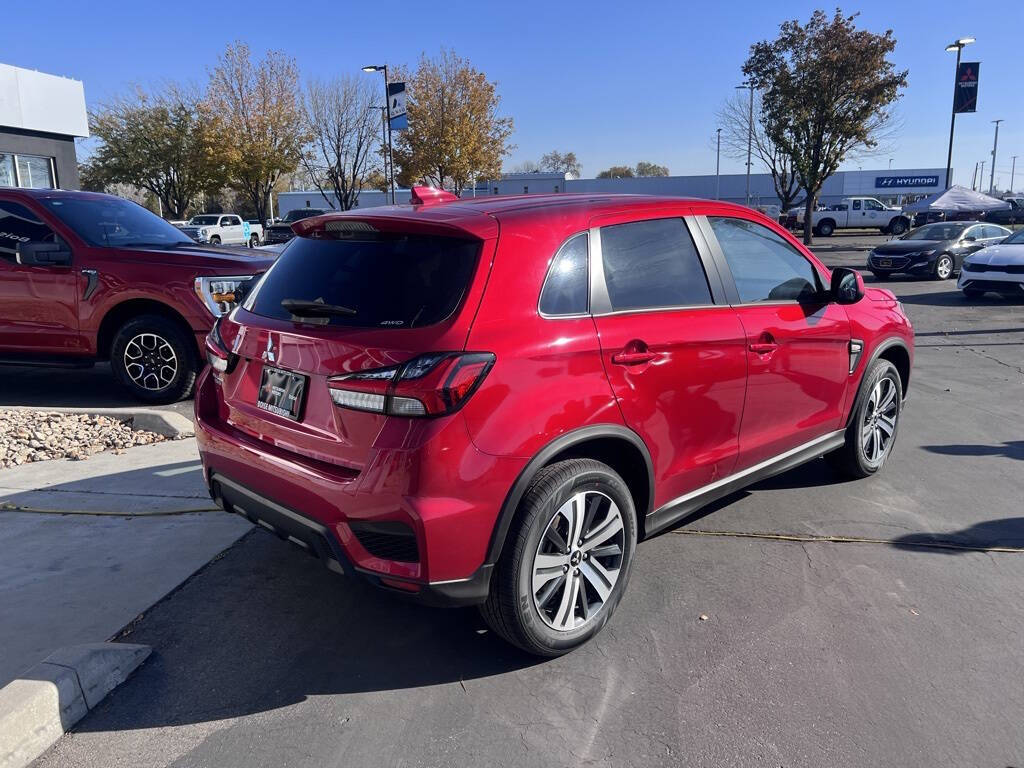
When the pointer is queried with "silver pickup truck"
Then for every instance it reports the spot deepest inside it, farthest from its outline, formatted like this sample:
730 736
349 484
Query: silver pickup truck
857 213
223 228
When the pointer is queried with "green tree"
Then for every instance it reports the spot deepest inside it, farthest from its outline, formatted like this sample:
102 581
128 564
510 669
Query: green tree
455 134
558 162
259 103
650 169
167 144
826 89
617 172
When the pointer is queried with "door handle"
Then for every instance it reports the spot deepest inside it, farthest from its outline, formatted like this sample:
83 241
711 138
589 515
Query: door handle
633 358
764 345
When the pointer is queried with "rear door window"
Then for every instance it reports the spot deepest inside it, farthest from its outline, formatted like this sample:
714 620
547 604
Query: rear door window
389 280
651 264
566 290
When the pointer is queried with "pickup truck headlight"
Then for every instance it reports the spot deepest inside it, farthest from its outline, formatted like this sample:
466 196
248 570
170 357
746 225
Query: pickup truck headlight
218 293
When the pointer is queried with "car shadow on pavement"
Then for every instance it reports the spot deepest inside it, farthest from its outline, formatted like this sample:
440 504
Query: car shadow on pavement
990 534
1012 449
953 298
264 627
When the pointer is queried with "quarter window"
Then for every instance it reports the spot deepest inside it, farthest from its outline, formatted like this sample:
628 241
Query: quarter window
566 289
19 225
764 266
651 264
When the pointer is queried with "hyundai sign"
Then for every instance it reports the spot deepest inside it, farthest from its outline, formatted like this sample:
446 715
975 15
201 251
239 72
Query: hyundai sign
901 182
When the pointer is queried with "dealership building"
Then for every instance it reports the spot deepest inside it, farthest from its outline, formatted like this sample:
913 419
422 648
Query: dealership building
40 117
895 186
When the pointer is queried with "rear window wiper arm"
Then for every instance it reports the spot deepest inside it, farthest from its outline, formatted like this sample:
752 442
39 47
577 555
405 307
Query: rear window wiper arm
306 308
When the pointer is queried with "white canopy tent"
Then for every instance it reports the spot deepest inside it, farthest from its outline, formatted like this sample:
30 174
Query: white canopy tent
957 200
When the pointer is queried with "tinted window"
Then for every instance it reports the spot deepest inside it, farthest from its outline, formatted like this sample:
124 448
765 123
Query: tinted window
856 205
391 280
764 266
936 232
652 264
113 222
566 289
19 225
873 205
991 231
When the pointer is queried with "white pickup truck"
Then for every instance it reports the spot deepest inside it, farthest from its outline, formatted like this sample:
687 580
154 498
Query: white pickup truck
223 228
857 213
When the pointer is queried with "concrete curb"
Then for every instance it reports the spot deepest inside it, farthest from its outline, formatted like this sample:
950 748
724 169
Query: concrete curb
166 423
45 702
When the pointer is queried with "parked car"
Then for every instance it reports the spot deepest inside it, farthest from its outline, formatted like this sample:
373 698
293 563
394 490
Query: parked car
256 235
282 231
997 268
87 277
934 250
221 228
490 401
854 213
1010 216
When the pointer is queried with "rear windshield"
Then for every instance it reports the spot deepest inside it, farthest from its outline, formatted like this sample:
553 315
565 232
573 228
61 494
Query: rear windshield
391 281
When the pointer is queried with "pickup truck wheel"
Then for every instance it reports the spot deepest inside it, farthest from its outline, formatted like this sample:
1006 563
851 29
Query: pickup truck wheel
153 359
826 228
215 240
254 241
898 226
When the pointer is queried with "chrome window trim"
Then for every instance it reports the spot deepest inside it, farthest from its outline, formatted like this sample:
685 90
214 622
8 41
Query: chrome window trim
547 273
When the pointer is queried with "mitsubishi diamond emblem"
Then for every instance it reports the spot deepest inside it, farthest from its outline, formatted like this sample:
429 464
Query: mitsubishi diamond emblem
268 355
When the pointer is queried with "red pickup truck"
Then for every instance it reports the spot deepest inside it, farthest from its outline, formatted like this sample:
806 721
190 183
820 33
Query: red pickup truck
86 277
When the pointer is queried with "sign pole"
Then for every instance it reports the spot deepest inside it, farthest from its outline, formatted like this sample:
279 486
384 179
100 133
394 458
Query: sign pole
952 120
992 173
391 158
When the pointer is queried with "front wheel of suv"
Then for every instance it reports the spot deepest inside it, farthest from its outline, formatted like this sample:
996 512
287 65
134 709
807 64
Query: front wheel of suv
873 424
567 559
153 359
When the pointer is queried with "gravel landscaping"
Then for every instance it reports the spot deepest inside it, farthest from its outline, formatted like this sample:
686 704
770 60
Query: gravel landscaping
41 435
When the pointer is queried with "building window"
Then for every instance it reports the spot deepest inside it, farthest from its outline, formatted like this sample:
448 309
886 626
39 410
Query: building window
495 190
27 171
556 189
526 190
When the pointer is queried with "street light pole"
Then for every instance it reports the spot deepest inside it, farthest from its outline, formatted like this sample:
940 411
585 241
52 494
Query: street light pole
958 46
981 177
1013 170
387 102
718 164
750 135
992 173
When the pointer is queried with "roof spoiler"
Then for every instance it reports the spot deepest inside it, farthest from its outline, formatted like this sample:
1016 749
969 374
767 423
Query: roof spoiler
431 196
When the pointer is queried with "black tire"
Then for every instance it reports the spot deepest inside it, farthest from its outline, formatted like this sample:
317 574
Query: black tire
254 240
510 609
215 240
973 293
880 276
158 389
825 228
852 460
939 272
898 226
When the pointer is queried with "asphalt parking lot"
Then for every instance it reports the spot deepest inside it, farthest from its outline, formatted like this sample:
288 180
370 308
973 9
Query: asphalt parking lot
903 649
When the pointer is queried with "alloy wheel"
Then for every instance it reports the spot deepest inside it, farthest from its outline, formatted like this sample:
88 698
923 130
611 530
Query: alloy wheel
578 561
879 425
150 361
944 267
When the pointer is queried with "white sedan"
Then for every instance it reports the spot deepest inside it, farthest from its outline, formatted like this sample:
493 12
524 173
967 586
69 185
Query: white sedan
998 268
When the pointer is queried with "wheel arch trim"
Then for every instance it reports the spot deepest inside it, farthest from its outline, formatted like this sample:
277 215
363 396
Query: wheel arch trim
876 354
543 457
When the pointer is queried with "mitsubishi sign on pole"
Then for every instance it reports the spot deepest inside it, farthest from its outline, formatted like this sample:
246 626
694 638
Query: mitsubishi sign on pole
396 106
965 98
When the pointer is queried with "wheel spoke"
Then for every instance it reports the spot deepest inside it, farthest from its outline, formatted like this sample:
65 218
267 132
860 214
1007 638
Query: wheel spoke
887 425
552 535
888 396
574 512
566 614
611 526
549 591
877 445
598 577
610 550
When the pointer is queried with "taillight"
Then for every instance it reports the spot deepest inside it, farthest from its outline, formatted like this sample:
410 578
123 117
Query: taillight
218 355
434 384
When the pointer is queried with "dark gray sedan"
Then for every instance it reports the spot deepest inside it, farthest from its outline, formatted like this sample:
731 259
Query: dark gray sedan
934 250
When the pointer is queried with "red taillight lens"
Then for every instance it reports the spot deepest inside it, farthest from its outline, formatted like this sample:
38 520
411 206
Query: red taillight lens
218 355
434 384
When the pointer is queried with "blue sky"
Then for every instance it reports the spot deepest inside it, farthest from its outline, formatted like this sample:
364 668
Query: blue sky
614 82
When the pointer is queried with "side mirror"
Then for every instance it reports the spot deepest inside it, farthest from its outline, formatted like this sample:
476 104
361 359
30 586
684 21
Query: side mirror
970 239
847 286
44 254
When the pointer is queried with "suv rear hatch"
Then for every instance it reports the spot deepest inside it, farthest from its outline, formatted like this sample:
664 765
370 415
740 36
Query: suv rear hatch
349 297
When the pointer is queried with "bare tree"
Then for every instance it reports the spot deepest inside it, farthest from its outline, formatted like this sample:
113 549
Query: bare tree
559 162
343 124
734 120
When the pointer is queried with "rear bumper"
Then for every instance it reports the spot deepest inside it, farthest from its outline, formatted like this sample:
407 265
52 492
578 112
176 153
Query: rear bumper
444 493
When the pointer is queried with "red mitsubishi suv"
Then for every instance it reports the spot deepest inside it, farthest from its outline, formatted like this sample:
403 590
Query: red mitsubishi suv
87 277
491 401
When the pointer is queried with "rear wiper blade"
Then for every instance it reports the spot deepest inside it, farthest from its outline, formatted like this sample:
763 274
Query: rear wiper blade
306 308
